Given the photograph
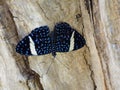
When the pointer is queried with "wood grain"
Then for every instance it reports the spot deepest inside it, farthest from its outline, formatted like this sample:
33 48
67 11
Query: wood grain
93 67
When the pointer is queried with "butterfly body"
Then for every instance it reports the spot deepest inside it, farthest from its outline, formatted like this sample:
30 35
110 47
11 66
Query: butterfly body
41 41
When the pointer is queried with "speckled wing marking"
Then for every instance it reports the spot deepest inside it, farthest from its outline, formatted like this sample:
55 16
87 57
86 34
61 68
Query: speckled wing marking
66 38
40 41
40 38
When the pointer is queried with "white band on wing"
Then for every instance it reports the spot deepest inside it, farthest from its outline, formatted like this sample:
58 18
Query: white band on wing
72 42
32 47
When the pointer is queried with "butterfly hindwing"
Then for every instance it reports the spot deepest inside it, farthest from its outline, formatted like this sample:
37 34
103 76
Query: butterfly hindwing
66 38
37 42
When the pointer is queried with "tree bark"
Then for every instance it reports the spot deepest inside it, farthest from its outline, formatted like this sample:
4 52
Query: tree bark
93 67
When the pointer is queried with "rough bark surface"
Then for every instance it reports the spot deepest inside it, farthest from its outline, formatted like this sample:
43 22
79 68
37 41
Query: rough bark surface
96 66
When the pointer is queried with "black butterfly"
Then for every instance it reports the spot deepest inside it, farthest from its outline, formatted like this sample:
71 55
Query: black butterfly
41 41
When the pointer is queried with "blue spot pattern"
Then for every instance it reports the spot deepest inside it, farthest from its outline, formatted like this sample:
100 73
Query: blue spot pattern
51 42
41 39
23 47
63 32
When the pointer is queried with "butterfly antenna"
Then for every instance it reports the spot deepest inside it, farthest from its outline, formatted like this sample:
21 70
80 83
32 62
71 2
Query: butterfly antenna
59 62
62 63
50 66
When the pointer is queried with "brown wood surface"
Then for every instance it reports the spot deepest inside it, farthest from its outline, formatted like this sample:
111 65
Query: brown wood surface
96 66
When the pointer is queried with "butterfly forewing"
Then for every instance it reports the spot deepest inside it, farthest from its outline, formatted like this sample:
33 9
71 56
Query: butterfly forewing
79 41
23 47
37 42
63 33
67 38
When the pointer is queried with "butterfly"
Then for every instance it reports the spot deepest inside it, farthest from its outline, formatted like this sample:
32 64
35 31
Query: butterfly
41 41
